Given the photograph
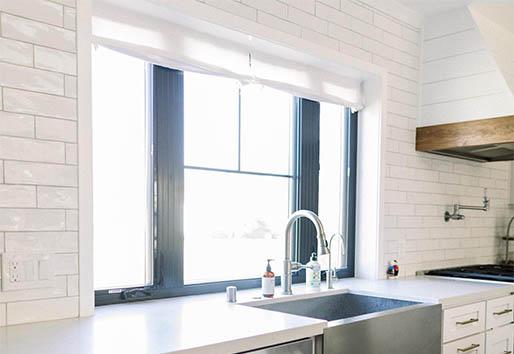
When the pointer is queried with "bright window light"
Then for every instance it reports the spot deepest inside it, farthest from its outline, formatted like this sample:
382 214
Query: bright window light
121 172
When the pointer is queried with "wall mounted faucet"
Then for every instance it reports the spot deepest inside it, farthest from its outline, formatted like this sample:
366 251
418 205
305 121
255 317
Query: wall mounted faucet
456 215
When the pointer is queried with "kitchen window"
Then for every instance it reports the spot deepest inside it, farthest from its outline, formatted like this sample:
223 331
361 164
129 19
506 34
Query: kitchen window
213 169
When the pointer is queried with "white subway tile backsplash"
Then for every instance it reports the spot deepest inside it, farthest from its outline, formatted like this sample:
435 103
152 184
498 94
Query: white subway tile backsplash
16 52
278 24
273 7
70 18
25 30
70 86
345 35
14 196
31 79
39 10
55 60
58 290
31 220
3 315
70 3
71 154
73 285
72 220
234 7
40 242
23 149
316 37
56 129
39 104
57 197
13 124
66 263
42 310
38 151
307 20
40 173
304 5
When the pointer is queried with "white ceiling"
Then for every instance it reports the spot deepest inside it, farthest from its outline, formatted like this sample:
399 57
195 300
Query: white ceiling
499 11
432 7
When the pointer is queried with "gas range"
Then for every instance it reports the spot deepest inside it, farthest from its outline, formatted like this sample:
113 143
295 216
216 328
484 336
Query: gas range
497 272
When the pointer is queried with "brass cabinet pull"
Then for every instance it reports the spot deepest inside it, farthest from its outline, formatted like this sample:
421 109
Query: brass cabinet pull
471 347
471 320
507 352
502 312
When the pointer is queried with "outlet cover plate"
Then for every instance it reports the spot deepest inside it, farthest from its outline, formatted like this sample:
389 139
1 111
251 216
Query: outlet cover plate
27 271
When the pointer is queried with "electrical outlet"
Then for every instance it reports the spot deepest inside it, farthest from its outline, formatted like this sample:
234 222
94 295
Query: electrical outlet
27 271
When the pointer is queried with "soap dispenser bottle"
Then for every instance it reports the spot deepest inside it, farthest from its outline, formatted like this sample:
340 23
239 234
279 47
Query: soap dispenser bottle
313 272
268 281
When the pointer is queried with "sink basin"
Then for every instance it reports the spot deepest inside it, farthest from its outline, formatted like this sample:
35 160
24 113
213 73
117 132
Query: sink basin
337 306
360 323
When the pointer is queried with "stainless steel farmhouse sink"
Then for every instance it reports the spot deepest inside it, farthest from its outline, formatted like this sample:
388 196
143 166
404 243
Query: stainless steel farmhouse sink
363 324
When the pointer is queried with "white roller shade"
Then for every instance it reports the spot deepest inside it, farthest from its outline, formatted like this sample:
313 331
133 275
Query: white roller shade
168 44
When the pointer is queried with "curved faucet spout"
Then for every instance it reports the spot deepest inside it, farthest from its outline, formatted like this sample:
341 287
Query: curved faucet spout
322 245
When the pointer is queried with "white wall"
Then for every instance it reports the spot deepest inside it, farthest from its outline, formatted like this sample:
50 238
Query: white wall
462 79
39 182
418 187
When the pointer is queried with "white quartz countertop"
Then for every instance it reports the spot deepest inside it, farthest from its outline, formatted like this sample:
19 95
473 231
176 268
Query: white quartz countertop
207 324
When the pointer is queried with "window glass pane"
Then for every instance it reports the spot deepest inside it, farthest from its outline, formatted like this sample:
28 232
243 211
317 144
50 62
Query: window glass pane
211 110
266 118
332 175
122 254
232 224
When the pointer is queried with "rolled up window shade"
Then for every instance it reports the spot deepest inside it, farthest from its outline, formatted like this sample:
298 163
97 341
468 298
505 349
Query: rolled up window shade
169 44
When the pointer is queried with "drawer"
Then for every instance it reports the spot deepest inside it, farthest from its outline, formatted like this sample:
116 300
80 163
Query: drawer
499 311
499 340
470 345
463 321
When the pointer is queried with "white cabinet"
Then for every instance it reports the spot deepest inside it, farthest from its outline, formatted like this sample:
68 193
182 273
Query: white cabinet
469 345
499 312
484 327
500 340
463 321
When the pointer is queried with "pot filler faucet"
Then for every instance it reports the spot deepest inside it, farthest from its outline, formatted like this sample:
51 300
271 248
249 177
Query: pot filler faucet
289 266
456 215
507 239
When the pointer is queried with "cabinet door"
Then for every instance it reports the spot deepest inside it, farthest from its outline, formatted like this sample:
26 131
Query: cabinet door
469 345
463 321
500 340
500 312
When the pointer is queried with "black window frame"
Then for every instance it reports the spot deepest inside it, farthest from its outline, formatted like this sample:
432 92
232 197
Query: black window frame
167 115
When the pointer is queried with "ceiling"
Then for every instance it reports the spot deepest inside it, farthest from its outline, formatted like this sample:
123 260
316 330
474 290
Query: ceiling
432 7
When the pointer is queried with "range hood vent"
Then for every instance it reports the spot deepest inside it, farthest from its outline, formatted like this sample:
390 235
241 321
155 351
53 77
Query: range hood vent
484 140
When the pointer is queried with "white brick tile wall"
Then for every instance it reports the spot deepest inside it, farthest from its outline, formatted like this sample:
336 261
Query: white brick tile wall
12 124
71 3
39 104
31 219
16 52
234 7
70 86
55 60
70 18
58 290
18 172
72 220
57 197
31 79
41 310
3 315
56 129
278 23
15 196
73 285
31 150
274 7
40 10
55 241
25 30
66 263
71 154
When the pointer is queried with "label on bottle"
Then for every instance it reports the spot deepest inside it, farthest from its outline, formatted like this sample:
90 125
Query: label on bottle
268 286
314 276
